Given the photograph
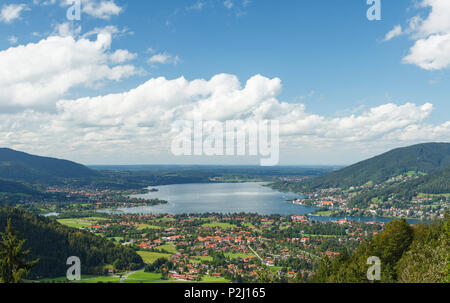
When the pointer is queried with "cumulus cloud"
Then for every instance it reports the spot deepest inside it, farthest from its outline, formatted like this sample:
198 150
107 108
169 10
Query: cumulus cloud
121 56
38 74
431 49
11 12
101 9
163 58
140 120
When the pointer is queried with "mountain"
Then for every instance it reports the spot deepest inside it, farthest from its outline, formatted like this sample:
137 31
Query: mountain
20 166
424 158
434 183
53 243
15 188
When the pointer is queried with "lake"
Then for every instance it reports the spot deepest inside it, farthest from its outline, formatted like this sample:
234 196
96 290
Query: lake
227 198
221 198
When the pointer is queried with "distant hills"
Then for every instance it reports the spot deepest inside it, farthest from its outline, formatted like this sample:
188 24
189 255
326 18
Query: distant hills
23 167
425 158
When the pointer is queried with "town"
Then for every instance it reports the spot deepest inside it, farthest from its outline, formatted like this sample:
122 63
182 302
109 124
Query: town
226 248
335 201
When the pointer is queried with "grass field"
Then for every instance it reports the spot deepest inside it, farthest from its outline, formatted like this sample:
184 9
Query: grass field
80 222
209 279
145 226
234 256
201 259
84 279
56 280
143 277
323 213
414 173
149 257
108 279
163 220
138 277
219 225
168 247
117 239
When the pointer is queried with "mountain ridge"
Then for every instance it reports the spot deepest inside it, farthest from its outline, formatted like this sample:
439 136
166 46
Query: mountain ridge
24 167
421 158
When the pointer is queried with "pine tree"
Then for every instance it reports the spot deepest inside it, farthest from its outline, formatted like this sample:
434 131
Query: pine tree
13 264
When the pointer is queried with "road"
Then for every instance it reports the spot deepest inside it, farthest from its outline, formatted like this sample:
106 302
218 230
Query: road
124 277
256 254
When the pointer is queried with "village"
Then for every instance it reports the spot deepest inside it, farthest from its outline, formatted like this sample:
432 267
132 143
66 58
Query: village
223 247
230 248
335 202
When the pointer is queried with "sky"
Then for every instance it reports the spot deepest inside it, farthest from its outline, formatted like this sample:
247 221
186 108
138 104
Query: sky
106 89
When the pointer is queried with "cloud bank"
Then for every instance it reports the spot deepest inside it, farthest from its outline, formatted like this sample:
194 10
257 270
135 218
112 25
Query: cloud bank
38 74
431 35
139 121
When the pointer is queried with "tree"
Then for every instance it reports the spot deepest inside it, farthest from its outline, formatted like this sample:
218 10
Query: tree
13 264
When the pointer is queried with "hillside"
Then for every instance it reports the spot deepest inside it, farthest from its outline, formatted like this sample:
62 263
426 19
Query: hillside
20 166
15 188
408 255
434 183
53 243
425 158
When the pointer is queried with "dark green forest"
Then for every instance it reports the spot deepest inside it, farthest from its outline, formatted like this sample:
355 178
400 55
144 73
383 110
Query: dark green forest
53 243
435 183
425 158
19 166
419 254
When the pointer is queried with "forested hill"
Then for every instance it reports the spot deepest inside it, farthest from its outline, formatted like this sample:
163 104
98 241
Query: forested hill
408 255
53 243
434 183
20 166
15 188
425 158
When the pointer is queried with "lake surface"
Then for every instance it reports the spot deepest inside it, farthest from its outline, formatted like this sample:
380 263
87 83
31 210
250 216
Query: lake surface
221 198
227 198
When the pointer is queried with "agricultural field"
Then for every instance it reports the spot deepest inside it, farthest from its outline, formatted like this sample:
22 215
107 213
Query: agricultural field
80 222
149 257
222 225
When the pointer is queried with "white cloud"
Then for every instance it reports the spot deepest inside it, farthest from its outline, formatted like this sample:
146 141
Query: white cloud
139 121
198 6
102 9
395 32
13 39
228 4
67 29
37 74
238 6
431 49
432 53
11 12
163 58
121 56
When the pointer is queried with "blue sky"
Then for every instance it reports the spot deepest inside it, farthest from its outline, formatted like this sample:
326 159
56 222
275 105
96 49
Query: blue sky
328 56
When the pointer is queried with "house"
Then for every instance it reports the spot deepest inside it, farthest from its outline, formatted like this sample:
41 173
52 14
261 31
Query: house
327 203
